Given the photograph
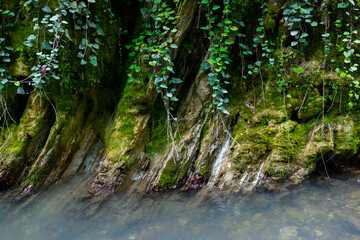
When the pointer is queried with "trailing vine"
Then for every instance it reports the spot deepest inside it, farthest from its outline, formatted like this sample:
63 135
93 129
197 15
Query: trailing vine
295 16
73 24
347 47
152 53
152 49
6 50
7 18
222 28
52 34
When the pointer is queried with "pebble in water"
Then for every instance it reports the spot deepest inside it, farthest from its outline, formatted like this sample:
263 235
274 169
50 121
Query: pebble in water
288 233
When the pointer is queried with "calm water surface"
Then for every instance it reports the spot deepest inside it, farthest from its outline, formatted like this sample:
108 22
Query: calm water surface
317 209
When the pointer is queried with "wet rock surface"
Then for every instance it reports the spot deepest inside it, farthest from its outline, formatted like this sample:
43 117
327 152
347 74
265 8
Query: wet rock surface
122 131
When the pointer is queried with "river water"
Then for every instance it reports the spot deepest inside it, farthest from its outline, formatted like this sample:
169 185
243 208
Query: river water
316 209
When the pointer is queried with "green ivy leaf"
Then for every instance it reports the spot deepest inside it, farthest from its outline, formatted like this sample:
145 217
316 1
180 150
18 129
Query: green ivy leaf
257 40
55 77
93 60
46 45
20 90
158 80
216 7
228 42
80 55
224 91
176 80
206 27
100 31
298 70
28 43
293 33
27 2
304 35
46 9
223 110
31 37
175 99
227 21
91 24
170 68
342 5
348 53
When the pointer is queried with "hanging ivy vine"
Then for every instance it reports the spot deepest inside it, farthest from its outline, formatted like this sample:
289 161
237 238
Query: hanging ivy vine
7 21
151 50
51 33
72 24
222 29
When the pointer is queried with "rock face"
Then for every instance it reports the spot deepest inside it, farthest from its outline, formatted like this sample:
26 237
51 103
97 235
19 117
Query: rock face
23 142
268 138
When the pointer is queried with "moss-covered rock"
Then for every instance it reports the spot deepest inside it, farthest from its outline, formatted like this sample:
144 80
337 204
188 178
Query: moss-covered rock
283 123
22 142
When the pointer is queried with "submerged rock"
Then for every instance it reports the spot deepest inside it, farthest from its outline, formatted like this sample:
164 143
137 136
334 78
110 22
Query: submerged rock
288 233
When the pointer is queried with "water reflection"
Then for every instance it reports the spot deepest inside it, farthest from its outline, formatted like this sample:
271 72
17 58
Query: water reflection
317 209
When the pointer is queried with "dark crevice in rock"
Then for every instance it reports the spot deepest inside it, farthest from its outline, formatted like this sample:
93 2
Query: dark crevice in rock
294 116
16 103
336 163
89 110
189 59
130 16
234 120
